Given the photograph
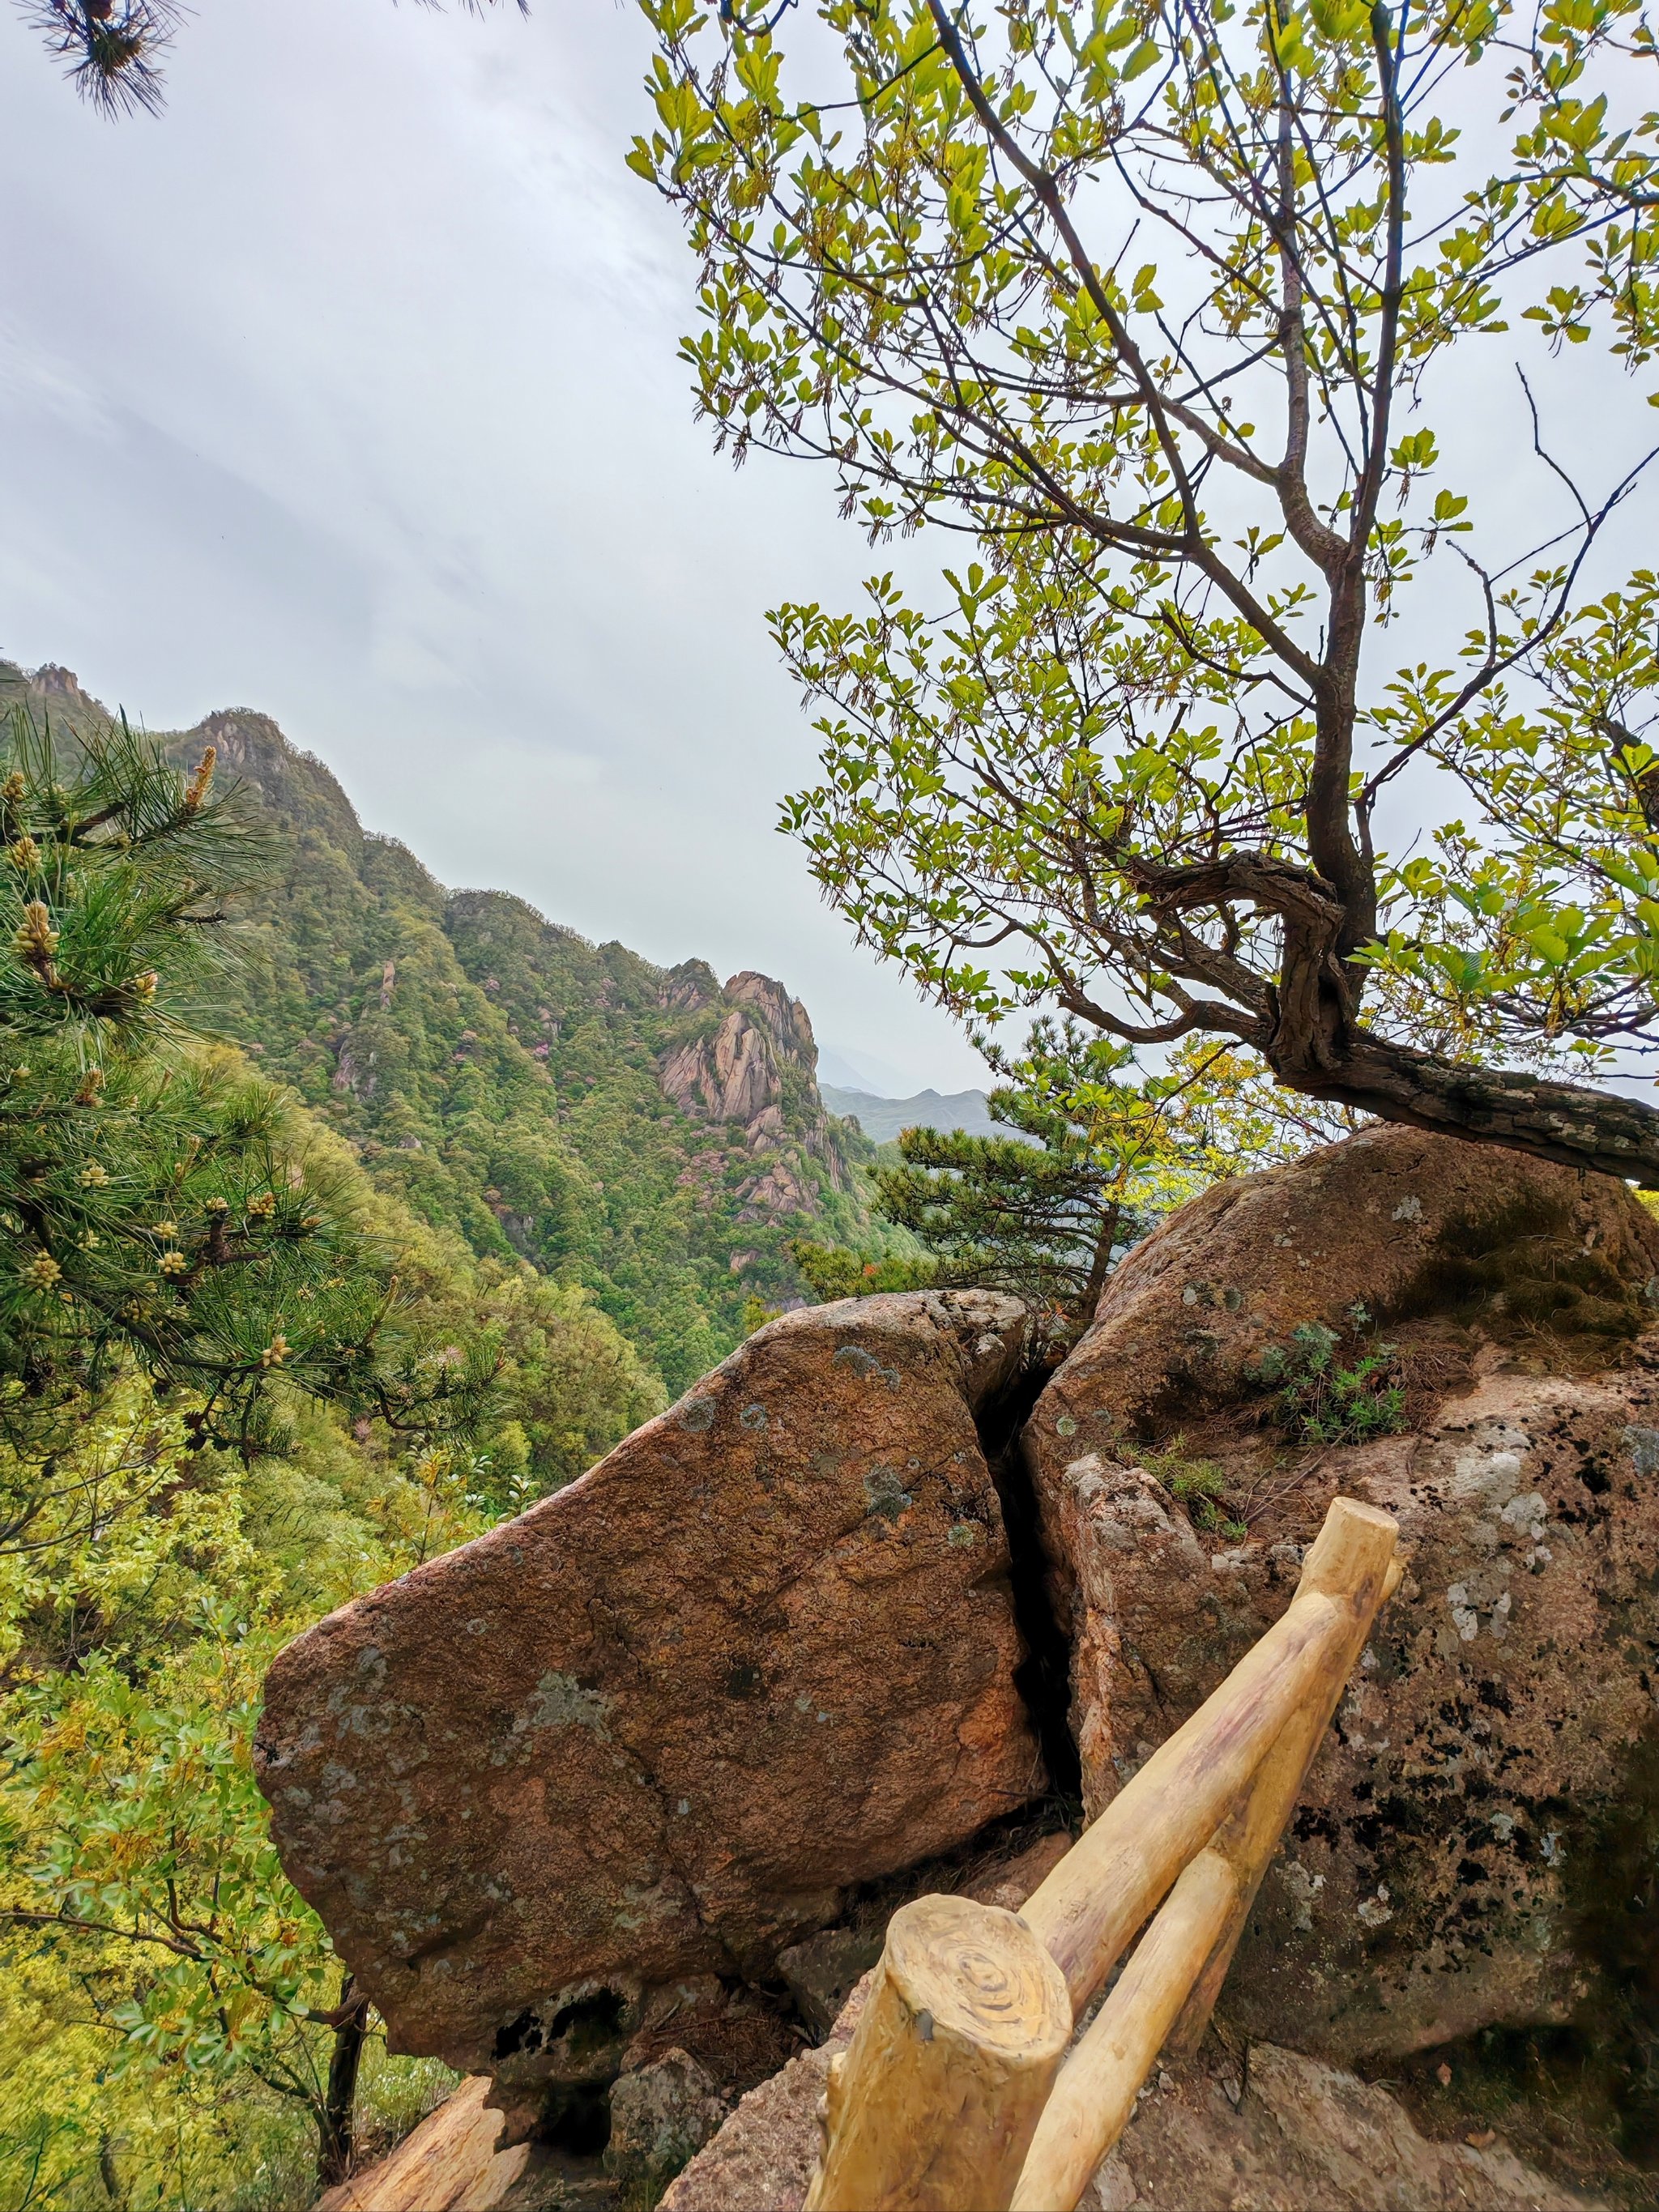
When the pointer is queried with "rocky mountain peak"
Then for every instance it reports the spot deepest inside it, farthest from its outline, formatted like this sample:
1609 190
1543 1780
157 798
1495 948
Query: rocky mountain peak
758 1069
787 1018
689 986
61 687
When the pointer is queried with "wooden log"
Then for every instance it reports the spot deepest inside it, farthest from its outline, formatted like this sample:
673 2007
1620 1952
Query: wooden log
934 2104
1170 1986
1250 1834
1109 1881
1098 2086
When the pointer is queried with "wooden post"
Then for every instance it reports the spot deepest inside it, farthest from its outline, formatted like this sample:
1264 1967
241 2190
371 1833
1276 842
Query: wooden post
1250 1834
1108 1883
943 2090
934 2104
1098 2086
1168 1989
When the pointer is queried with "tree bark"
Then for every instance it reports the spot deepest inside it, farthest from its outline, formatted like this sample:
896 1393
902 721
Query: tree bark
1567 1122
336 2121
1100 1264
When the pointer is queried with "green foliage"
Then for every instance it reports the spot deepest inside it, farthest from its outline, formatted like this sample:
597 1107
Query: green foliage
158 1203
1104 1149
1133 760
195 1263
179 1998
829 1271
499 1075
1320 1401
1199 1485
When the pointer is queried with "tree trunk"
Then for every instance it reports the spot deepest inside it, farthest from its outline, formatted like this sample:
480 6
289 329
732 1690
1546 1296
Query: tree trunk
109 2174
1100 1265
1564 1122
336 2121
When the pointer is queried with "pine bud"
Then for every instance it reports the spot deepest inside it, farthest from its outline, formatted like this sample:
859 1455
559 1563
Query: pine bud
90 1085
36 940
12 789
197 789
42 1271
173 1263
262 1207
25 854
93 1177
143 986
276 1351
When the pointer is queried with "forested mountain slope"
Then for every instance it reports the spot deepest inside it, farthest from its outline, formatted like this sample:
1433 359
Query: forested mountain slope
646 1132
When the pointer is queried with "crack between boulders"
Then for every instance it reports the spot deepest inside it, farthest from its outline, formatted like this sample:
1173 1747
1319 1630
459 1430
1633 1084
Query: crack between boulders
1043 1680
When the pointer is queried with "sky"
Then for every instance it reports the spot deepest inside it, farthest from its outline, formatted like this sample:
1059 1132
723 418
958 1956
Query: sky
348 391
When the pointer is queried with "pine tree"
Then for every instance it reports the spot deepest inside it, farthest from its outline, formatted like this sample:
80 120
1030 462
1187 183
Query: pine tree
158 1207
113 49
1102 1150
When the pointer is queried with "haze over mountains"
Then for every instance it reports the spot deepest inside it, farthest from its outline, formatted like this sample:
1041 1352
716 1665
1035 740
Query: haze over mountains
882 1119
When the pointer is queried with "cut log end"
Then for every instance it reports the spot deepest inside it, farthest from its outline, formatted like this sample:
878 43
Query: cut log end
952 2061
976 1972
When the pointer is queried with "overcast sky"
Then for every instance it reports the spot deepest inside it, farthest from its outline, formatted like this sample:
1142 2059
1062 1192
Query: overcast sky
348 391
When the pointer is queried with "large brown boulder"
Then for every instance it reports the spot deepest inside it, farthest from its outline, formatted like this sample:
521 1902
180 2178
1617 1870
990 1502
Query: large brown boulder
648 1733
1405 1223
1441 1872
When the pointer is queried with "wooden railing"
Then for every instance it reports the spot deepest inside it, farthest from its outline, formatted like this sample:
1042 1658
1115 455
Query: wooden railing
957 2093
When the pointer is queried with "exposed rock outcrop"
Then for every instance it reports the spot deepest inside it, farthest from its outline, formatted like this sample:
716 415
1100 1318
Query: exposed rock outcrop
1405 1223
1280 2132
691 985
732 1076
1432 1881
661 2118
648 1733
755 1068
569 1796
1275 2132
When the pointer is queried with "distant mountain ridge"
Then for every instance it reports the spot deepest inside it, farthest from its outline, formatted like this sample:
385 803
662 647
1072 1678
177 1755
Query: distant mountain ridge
882 1119
653 1133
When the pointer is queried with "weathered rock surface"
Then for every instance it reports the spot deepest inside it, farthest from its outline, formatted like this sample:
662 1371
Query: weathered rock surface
661 2118
1434 1878
1279 2133
762 2157
756 1067
1285 2133
822 1971
653 1728
1404 1223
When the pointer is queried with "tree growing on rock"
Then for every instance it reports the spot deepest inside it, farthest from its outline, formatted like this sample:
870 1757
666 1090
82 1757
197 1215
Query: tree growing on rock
1176 312
1102 1152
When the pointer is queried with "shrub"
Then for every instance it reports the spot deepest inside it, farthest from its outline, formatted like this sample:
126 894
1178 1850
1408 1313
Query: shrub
1319 1401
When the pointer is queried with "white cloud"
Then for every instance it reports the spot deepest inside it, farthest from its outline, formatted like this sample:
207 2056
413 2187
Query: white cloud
348 391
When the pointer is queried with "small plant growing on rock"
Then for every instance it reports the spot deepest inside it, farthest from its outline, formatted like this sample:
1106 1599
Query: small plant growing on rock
1319 1401
1199 1485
